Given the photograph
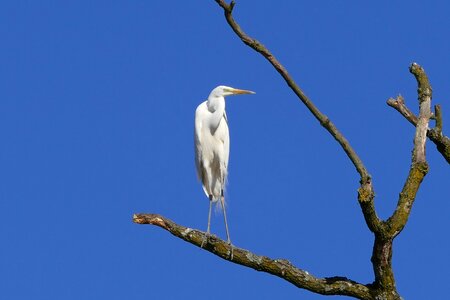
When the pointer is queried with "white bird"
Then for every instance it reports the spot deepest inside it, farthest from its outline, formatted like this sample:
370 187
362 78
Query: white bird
212 146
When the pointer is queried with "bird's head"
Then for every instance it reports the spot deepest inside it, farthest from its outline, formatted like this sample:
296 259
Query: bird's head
222 91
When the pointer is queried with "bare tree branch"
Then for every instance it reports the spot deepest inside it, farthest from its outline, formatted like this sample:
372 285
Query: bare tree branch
365 192
441 141
399 105
438 117
323 119
419 165
425 93
382 250
278 267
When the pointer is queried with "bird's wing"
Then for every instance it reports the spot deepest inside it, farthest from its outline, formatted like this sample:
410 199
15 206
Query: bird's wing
199 113
226 141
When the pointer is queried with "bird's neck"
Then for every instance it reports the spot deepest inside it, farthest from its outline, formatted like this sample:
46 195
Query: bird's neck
216 106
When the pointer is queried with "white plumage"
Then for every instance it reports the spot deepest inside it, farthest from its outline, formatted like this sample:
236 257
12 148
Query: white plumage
212 146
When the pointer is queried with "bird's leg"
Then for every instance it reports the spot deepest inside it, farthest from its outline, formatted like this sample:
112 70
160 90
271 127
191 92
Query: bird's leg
222 201
209 221
209 215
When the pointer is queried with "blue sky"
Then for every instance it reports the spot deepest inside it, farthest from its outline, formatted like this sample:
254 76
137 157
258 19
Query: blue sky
97 102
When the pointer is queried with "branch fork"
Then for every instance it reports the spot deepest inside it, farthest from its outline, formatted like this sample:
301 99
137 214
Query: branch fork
424 90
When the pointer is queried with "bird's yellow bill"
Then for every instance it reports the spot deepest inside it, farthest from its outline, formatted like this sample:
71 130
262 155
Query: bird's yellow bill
239 92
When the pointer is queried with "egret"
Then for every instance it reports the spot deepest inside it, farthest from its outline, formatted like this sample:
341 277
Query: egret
212 147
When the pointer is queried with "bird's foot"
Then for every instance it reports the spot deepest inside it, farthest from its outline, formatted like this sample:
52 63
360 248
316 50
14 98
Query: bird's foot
205 239
231 249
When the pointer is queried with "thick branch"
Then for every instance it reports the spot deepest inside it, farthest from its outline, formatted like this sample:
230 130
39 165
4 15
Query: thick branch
419 165
406 199
278 267
425 93
382 266
441 141
438 117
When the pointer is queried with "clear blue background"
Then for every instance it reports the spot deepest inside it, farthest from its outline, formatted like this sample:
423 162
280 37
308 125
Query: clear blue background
97 102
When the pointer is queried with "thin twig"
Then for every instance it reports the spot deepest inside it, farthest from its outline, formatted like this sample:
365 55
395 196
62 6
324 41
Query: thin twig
399 105
323 119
